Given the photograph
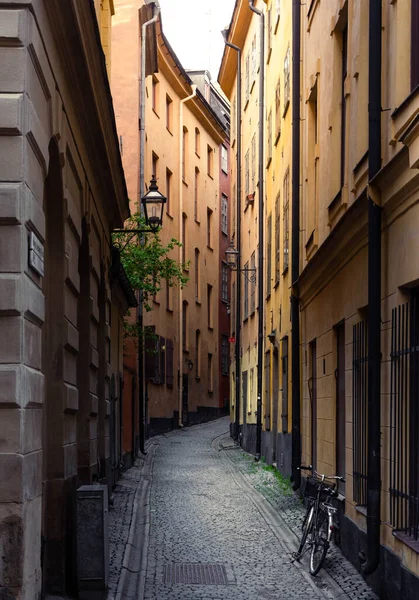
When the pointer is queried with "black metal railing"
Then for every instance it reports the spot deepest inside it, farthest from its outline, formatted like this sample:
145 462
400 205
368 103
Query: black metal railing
404 419
360 411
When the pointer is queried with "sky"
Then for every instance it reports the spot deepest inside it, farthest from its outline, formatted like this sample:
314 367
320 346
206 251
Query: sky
193 28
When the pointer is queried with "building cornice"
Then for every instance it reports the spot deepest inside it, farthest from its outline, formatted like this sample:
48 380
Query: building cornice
77 39
237 33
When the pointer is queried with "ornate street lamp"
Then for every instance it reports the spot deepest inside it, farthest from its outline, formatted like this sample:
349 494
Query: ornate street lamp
232 258
153 203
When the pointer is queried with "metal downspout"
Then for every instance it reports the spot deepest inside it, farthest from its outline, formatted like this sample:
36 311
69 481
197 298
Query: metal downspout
182 102
236 434
295 247
374 293
140 320
261 216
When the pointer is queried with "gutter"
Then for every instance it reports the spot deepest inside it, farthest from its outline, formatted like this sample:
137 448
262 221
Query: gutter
260 226
374 293
141 394
295 249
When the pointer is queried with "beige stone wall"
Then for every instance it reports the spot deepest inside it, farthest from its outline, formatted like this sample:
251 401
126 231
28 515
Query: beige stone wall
54 329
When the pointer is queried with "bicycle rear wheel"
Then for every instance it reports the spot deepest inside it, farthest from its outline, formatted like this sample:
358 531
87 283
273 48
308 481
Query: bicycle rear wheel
320 542
307 525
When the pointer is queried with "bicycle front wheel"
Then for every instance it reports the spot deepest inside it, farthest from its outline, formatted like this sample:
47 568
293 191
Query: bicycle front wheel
308 523
320 542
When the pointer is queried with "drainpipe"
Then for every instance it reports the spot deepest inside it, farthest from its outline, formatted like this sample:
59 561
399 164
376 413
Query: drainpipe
295 247
182 102
236 434
374 293
260 223
140 320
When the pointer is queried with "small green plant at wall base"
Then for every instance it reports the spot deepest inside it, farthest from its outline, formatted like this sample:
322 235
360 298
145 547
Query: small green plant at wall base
148 263
284 482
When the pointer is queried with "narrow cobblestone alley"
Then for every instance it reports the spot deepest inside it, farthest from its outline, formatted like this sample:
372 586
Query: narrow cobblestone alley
201 510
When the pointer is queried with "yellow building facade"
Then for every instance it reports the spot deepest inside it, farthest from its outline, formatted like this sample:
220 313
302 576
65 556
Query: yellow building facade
244 32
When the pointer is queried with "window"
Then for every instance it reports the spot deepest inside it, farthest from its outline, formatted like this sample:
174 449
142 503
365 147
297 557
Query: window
253 284
154 165
168 190
169 363
210 378
184 324
254 58
197 353
269 141
277 239
277 111
184 152
209 227
253 162
196 194
246 174
247 79
286 199
224 355
414 46
277 14
154 94
269 35
169 113
233 121
197 274
224 282
184 217
269 255
287 67
343 104
360 410
404 423
210 161
209 306
197 141
246 294
224 214
224 159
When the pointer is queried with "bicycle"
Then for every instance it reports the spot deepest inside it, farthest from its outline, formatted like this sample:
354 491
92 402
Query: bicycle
319 518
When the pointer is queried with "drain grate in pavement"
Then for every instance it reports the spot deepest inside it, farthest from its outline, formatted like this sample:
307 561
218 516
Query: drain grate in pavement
195 573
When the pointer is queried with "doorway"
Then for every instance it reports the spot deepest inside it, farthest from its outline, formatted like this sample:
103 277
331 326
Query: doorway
340 405
185 388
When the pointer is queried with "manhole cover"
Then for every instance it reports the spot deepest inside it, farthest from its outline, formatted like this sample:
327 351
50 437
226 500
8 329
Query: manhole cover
195 573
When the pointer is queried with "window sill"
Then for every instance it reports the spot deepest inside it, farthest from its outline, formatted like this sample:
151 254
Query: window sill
246 104
210 248
276 284
171 133
170 216
224 233
184 182
285 109
197 221
169 310
277 138
285 271
197 154
210 328
198 302
155 112
408 540
268 162
210 176
362 510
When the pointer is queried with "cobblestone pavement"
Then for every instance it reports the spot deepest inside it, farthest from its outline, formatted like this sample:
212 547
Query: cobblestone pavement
211 504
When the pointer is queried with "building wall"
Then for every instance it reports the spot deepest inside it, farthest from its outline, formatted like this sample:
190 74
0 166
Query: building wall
334 279
54 378
164 155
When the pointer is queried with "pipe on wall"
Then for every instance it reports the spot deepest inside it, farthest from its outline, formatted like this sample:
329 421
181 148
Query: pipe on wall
374 293
180 371
236 434
140 321
295 247
261 215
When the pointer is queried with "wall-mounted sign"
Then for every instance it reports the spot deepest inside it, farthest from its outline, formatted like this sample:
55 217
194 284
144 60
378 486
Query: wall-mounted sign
36 254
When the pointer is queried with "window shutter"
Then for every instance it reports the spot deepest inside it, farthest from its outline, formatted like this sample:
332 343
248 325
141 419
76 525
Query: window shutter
150 352
169 363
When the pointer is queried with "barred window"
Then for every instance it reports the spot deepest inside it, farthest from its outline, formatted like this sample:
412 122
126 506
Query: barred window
277 238
287 67
224 282
286 200
224 355
269 255
246 295
224 214
253 284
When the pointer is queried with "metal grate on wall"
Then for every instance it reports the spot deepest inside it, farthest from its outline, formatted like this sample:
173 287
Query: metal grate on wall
360 411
